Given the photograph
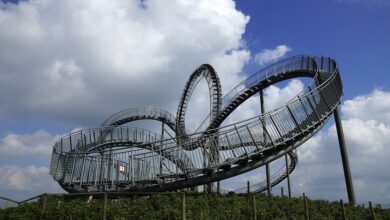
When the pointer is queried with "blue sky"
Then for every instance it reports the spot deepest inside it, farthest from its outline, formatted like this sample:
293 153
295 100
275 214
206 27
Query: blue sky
355 33
66 66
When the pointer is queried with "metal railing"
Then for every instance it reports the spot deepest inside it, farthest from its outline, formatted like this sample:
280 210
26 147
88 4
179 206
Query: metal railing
140 113
137 159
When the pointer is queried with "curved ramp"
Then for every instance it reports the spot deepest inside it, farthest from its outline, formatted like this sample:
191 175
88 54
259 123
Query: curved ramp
112 163
141 113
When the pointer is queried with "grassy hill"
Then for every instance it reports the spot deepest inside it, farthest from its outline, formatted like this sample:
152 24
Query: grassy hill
197 206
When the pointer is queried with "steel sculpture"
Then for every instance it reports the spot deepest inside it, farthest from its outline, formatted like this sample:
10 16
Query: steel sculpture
121 158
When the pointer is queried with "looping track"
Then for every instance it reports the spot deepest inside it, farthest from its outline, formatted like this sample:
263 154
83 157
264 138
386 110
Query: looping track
118 158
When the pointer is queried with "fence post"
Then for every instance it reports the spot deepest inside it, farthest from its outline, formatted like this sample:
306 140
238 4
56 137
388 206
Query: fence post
372 211
306 207
281 191
254 207
248 187
105 206
183 206
43 208
343 209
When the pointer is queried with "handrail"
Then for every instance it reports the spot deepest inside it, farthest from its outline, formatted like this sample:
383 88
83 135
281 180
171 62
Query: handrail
170 164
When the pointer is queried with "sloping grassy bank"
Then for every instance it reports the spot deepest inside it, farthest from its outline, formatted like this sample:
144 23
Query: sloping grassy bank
197 206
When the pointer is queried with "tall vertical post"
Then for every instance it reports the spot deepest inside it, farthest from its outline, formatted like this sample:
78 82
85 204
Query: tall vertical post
344 157
162 138
343 209
248 186
209 188
306 207
269 190
371 211
288 177
281 192
43 208
183 206
254 207
105 206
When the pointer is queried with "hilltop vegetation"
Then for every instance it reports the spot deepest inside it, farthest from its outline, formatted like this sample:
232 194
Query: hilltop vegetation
197 206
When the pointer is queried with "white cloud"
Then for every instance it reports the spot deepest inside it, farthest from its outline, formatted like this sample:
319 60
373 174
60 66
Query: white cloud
79 61
19 182
366 130
37 144
274 97
227 69
374 106
319 172
267 56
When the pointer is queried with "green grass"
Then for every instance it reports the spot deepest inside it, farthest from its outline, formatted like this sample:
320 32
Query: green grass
198 206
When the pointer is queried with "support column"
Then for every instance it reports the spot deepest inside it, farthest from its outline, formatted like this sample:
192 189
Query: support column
183 206
288 176
105 206
344 157
281 192
161 157
269 189
307 216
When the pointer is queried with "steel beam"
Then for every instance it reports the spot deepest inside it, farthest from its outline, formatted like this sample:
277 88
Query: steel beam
344 157
269 187
288 177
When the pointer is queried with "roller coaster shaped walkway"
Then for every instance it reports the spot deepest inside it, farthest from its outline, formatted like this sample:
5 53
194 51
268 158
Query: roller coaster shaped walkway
115 157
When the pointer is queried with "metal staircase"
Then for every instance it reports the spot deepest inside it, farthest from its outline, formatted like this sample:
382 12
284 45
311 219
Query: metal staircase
120 158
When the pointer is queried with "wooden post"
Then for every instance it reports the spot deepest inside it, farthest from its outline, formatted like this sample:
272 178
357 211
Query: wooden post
306 207
105 206
43 209
248 187
372 211
218 188
343 209
183 206
254 207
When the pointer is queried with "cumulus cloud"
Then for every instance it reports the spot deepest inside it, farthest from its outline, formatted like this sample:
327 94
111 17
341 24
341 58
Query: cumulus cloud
267 56
78 62
82 61
19 182
373 106
366 130
274 96
37 144
320 173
